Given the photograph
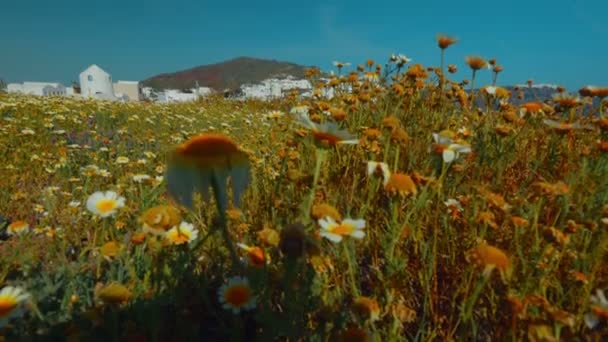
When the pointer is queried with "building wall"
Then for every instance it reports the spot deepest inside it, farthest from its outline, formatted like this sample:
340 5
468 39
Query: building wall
14 88
50 90
131 89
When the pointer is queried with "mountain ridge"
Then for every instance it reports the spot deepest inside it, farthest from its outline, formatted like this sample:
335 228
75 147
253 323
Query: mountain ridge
229 74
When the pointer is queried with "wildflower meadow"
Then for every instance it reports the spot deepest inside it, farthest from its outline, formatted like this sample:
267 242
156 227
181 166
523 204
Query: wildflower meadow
408 206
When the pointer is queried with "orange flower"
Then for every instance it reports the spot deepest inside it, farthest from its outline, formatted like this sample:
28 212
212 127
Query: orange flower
338 114
138 238
18 228
391 122
519 222
476 62
443 41
603 123
416 71
487 218
204 161
489 257
372 133
110 249
593 91
504 130
322 210
552 189
402 184
255 255
366 308
532 107
565 127
158 219
566 100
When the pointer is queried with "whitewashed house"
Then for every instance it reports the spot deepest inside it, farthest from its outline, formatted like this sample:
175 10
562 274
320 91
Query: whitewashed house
37 88
95 82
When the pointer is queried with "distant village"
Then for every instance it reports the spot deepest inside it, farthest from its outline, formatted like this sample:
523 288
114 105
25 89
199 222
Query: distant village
94 82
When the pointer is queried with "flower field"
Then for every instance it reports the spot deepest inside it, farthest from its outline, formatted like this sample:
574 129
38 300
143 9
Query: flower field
399 209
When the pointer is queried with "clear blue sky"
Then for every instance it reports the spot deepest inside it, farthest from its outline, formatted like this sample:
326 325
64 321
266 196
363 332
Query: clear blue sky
558 41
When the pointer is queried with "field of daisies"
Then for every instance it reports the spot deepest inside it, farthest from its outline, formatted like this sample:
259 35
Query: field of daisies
399 209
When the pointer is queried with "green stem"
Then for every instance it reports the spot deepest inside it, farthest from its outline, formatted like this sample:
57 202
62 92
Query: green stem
441 79
320 157
468 310
473 88
229 244
351 269
219 192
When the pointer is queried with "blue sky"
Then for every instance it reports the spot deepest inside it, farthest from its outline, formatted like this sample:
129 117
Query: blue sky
558 41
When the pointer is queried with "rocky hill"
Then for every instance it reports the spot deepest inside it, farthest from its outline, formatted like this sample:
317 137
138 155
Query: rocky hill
230 74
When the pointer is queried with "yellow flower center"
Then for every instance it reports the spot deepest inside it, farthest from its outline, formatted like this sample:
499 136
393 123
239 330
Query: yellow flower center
7 305
342 229
237 295
180 237
104 206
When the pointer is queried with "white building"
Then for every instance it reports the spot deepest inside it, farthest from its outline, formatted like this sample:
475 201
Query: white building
95 82
131 89
274 87
37 88
203 91
174 95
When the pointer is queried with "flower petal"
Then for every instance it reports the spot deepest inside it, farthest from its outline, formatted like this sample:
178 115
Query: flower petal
448 155
358 224
332 237
358 234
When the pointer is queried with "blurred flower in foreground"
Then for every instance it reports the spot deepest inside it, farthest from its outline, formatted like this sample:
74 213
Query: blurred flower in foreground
599 310
295 243
335 232
105 204
327 134
564 127
237 295
11 303
448 148
594 91
18 228
204 161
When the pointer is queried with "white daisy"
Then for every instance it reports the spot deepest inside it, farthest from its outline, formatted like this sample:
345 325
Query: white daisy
335 232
